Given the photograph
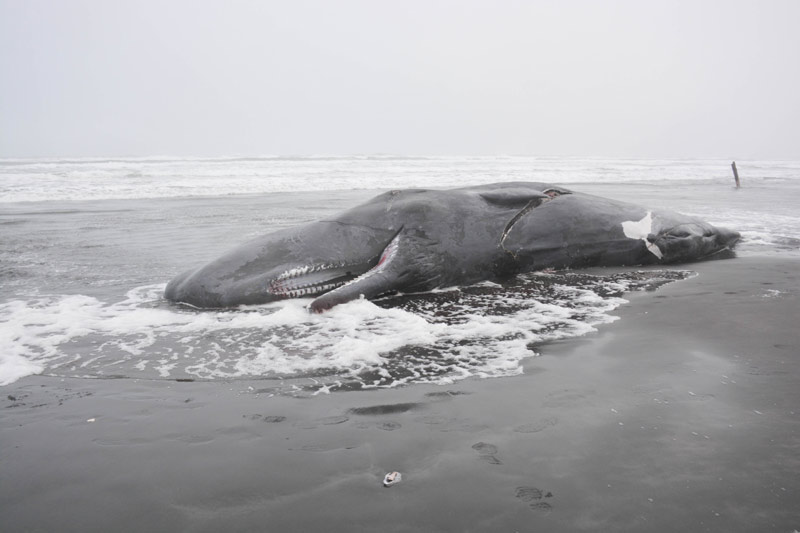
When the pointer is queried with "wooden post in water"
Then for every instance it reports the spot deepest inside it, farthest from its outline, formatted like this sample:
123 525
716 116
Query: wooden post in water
735 174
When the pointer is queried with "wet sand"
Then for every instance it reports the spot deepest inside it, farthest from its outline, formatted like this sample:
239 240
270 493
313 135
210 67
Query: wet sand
682 415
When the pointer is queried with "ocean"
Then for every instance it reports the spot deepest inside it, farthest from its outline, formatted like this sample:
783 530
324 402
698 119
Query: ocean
87 246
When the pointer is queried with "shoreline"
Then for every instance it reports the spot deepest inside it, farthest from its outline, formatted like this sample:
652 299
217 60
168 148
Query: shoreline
683 414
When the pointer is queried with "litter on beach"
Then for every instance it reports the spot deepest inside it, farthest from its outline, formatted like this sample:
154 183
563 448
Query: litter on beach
392 478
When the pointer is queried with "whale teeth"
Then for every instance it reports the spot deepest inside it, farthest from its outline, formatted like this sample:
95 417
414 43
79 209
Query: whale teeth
293 273
290 283
309 269
279 288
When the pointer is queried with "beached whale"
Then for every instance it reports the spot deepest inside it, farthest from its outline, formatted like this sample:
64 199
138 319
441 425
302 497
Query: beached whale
418 240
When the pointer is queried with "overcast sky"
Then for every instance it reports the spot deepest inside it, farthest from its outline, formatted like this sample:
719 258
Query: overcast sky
620 79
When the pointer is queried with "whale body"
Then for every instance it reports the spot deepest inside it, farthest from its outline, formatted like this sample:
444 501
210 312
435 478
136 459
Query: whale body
417 240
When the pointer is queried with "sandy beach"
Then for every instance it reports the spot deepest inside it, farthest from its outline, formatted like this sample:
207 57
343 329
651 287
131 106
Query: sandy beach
681 415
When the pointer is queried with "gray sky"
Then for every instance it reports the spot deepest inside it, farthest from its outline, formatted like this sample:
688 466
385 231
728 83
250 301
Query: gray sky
620 79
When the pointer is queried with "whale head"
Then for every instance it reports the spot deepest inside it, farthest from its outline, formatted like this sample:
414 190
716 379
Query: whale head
293 263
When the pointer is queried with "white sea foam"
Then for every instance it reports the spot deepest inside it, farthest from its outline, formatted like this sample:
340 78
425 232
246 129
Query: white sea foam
447 337
164 177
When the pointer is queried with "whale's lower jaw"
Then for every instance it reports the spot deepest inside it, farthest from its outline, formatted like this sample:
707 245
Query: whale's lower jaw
369 284
194 288
313 280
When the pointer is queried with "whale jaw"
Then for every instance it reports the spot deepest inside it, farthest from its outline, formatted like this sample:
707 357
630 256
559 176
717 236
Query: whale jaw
199 289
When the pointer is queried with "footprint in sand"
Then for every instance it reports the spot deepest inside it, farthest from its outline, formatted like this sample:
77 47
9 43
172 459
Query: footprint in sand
195 439
385 425
323 447
539 425
389 409
566 398
535 499
325 421
446 424
16 400
446 394
270 419
487 452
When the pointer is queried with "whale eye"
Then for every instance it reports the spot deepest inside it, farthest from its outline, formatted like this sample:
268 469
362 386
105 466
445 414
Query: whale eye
678 233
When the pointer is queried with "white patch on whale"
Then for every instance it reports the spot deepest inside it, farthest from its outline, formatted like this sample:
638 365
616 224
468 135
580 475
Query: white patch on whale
640 229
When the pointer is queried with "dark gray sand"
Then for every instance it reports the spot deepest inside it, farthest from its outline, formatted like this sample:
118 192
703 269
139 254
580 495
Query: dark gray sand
684 415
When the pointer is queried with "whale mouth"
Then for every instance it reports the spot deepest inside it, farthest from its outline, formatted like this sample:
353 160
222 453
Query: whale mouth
315 280
312 280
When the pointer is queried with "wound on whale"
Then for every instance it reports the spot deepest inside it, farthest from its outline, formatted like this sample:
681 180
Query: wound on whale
417 240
